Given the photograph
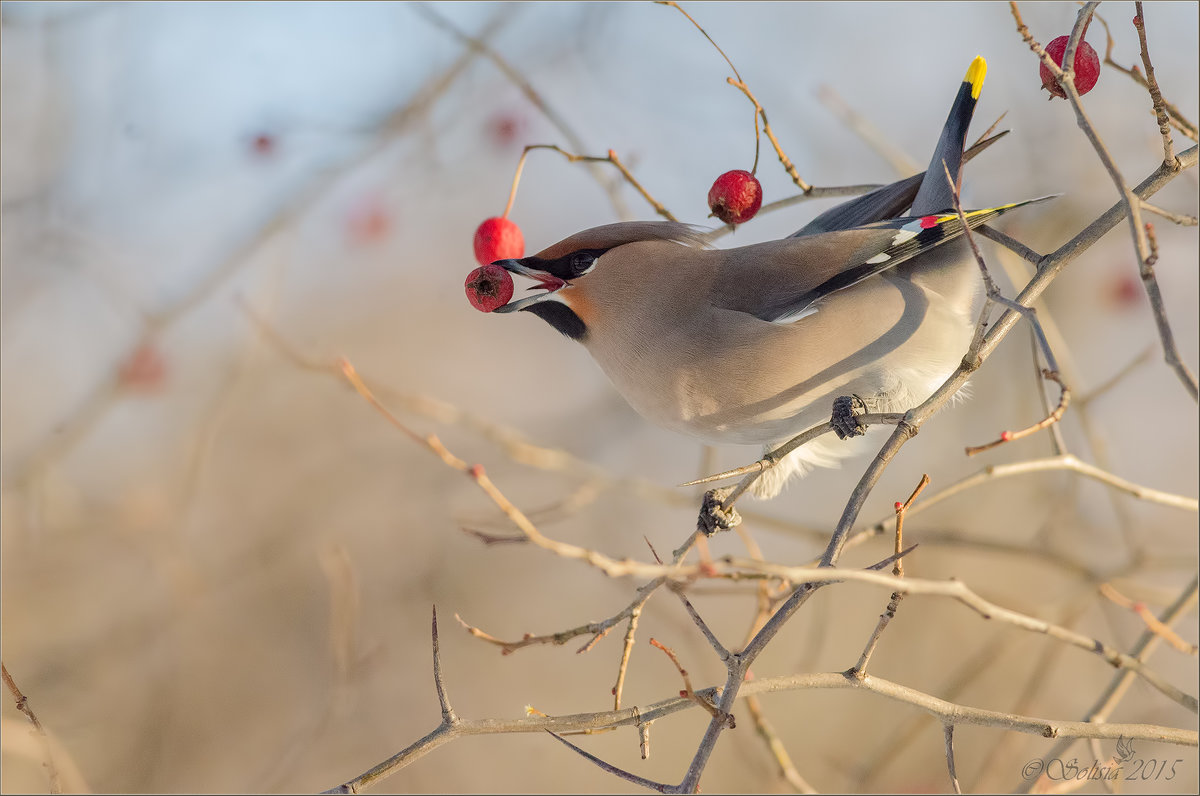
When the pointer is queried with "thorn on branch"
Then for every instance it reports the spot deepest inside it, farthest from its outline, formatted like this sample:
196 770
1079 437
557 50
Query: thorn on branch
611 769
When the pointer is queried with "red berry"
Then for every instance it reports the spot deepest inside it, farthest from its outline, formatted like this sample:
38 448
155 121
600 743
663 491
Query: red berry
1087 66
735 197
1125 291
263 144
498 239
505 128
145 370
488 287
369 221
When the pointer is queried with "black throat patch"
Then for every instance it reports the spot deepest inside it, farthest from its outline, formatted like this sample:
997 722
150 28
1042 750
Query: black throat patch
561 317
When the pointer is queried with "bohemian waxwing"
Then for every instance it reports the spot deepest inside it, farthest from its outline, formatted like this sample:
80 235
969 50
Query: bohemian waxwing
754 344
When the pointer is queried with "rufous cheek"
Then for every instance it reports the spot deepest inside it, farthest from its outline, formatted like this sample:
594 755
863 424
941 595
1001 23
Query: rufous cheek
579 303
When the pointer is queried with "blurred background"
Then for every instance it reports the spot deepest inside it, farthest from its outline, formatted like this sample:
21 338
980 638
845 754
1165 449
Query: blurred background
218 565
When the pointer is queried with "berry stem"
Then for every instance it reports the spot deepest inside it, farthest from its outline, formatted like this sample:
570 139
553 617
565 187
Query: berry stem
788 166
512 193
738 75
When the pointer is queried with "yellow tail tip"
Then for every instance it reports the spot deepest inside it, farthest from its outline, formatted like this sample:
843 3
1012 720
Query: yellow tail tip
976 72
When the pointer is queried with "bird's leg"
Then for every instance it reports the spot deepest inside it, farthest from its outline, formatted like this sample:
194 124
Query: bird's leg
846 411
713 514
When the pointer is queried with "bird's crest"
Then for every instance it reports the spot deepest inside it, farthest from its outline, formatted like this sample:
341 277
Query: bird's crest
611 236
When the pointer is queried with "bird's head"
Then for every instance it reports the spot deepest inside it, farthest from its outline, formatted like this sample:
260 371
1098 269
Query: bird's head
566 270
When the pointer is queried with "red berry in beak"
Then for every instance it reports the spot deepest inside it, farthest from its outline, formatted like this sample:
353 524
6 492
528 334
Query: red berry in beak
1087 67
735 197
489 287
498 239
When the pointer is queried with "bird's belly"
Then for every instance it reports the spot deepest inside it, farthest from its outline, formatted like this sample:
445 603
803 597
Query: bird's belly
731 403
740 380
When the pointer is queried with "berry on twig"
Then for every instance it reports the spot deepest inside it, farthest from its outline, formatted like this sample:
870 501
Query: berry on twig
497 238
735 196
1087 67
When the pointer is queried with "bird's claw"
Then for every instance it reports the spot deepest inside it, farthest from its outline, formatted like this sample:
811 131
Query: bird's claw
713 514
846 411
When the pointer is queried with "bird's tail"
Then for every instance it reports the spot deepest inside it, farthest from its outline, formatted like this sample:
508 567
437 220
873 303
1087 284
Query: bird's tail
935 193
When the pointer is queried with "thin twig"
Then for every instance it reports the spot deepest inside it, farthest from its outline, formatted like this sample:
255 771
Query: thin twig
1152 623
688 692
1181 123
1010 243
1175 218
860 668
597 629
722 653
1064 399
626 652
1058 443
949 732
611 157
38 730
1156 98
788 166
679 8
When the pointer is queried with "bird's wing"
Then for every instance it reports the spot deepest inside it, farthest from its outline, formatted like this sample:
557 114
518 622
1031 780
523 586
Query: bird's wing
781 281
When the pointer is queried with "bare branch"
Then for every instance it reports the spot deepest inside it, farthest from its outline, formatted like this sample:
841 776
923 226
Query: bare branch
1156 98
23 705
949 732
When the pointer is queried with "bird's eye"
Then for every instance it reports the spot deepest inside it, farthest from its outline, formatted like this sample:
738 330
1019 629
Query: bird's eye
582 262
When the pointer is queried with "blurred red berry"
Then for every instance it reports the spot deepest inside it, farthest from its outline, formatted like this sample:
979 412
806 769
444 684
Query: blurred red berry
144 371
263 144
488 287
498 239
1125 291
1087 67
735 197
504 128
369 221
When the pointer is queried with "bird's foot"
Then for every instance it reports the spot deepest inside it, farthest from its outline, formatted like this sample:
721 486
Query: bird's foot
846 411
713 514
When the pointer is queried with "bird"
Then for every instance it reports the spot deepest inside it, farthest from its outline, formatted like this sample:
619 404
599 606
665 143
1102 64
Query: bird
874 301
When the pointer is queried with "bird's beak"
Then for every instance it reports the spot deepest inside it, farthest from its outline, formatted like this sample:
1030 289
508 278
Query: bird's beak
545 281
